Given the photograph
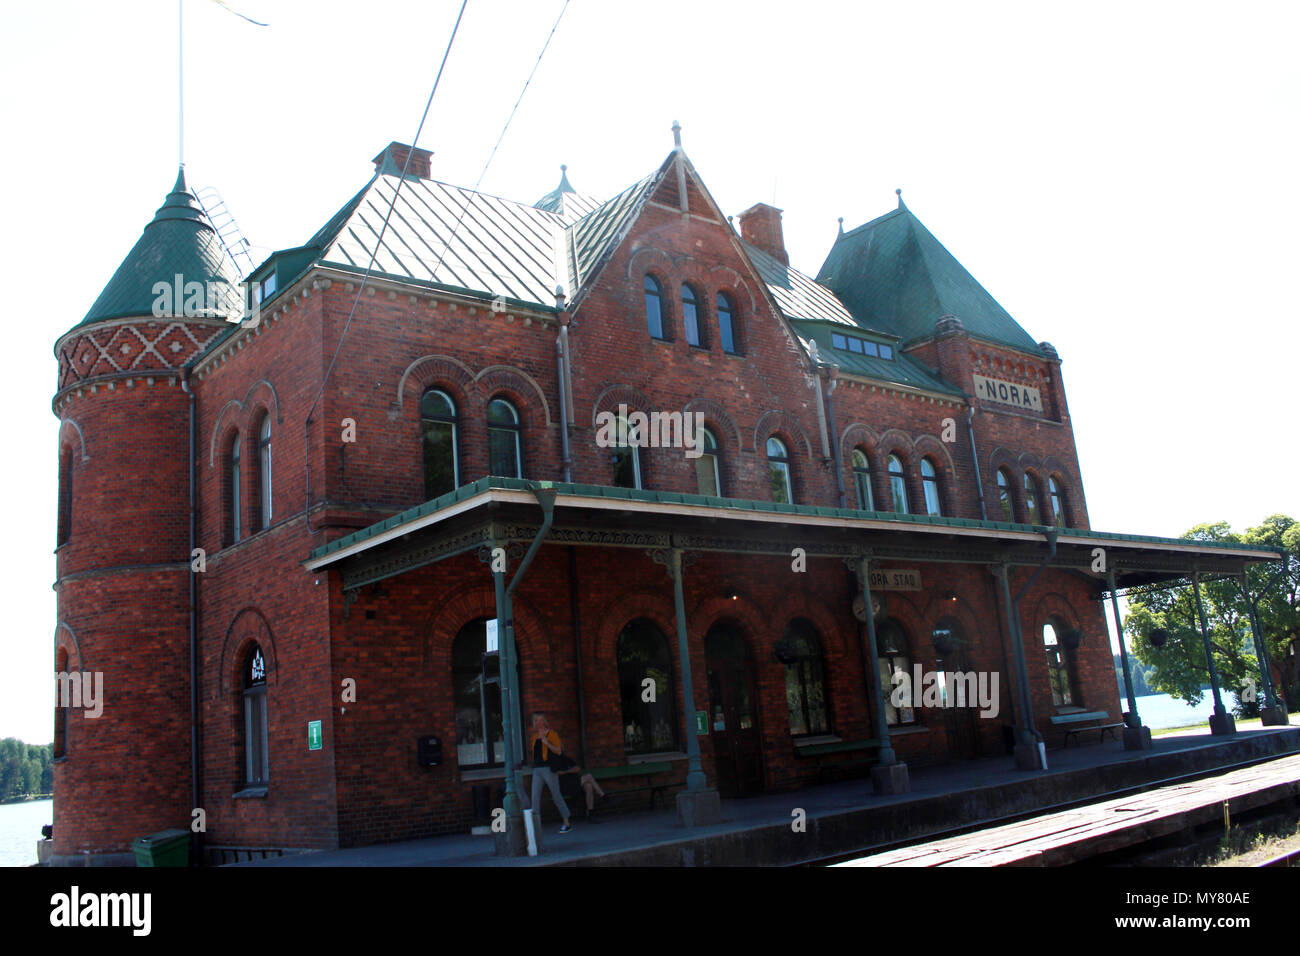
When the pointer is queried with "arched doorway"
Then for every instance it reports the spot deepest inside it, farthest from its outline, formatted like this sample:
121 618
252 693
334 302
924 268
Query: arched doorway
733 710
951 650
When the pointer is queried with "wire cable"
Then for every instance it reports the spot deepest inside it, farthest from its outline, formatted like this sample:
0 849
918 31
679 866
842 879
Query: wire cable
371 264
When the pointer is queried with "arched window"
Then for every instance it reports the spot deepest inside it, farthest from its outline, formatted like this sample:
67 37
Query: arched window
894 655
1031 500
691 315
708 478
1058 501
233 493
441 457
778 463
504 455
476 692
805 679
65 495
649 709
1059 672
257 761
1004 495
627 456
930 482
862 479
897 486
727 323
60 748
654 313
264 472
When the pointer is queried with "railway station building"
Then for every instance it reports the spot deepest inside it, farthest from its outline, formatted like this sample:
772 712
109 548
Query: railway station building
459 459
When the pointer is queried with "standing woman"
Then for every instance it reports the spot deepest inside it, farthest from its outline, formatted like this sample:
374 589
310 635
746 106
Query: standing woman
548 757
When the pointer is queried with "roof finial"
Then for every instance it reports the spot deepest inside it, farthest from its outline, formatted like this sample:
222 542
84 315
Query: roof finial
841 225
899 194
677 135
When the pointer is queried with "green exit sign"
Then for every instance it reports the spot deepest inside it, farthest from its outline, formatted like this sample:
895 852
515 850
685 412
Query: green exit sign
313 735
701 723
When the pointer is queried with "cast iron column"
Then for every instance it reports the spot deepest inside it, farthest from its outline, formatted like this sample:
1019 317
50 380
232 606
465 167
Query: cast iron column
888 775
1136 737
1221 721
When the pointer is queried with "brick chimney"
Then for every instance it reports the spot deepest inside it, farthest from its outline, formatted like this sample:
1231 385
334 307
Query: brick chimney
760 225
394 157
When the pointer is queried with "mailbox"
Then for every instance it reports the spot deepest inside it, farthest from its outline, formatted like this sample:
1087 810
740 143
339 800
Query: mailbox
429 751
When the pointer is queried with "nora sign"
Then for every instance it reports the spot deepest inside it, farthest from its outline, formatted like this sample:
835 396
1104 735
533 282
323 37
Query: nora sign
1008 393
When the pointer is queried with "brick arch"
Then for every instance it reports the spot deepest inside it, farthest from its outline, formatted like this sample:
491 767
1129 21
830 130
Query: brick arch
897 442
667 266
475 600
65 639
81 436
653 605
927 446
273 404
1030 462
1052 604
773 421
1000 459
614 395
248 625
218 432
732 288
858 434
507 378
430 370
718 415
709 610
1070 488
960 611
797 603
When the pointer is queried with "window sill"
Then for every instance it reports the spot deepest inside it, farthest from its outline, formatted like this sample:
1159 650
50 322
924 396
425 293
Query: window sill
818 740
655 758
1071 709
250 793
906 729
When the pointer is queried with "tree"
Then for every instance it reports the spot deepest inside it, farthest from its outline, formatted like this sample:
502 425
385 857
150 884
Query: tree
1179 668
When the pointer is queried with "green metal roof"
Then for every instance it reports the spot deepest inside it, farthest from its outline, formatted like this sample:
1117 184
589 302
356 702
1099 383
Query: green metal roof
179 240
588 239
893 275
565 201
901 370
490 483
798 296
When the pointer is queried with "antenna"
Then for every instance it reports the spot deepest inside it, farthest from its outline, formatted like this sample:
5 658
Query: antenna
180 82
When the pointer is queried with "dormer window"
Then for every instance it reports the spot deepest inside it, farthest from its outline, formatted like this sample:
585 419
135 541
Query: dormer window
851 343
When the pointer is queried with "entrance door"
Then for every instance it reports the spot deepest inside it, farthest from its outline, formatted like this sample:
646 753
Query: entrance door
733 711
962 722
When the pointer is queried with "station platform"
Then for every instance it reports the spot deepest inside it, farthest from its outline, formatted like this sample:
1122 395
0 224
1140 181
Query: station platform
839 818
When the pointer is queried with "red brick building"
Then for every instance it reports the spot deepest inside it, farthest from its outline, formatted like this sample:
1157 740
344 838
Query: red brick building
281 540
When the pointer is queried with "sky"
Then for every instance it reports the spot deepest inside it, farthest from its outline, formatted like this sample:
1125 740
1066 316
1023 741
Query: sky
1120 176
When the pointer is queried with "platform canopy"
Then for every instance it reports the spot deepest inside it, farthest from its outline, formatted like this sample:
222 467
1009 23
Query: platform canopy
495 511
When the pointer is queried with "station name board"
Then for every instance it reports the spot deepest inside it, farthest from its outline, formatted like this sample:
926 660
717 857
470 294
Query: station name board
1008 393
896 579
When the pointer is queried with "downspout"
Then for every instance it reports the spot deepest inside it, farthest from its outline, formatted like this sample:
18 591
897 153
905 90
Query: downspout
832 377
975 460
561 361
194 653
1030 734
546 498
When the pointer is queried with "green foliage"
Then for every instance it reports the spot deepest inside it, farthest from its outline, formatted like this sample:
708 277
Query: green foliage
1179 668
26 770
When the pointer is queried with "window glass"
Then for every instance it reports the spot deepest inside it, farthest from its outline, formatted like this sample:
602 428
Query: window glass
690 315
1058 664
855 345
726 323
930 482
779 469
1004 495
886 352
1058 502
707 477
870 348
649 726
441 461
1031 499
503 440
256 757
236 529
626 456
476 694
653 307
839 341
264 470
862 479
893 656
897 485
805 679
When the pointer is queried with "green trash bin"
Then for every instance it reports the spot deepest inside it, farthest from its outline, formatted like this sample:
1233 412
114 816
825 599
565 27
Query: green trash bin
167 848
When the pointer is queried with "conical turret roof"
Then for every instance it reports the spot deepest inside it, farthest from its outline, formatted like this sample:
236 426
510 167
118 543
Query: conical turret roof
179 240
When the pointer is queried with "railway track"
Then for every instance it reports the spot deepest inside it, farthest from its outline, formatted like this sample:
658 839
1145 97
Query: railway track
933 836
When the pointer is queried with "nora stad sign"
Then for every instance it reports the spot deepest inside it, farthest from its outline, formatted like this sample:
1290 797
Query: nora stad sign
1008 393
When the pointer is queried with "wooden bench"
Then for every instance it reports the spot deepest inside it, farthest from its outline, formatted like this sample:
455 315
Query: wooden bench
632 771
1092 721
825 769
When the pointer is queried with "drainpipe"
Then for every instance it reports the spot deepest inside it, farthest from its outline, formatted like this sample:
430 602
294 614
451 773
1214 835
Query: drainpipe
561 360
832 377
975 460
194 651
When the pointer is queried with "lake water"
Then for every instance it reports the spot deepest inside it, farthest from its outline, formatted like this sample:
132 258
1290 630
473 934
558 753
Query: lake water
20 828
1160 710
